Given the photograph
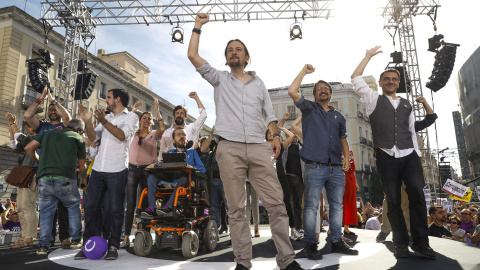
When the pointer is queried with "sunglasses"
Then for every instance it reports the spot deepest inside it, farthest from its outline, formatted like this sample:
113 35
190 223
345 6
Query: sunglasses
140 140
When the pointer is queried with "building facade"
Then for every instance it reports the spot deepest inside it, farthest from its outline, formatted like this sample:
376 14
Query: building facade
461 144
21 36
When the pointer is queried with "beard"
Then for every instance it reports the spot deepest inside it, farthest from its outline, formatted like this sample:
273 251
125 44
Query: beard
180 144
54 117
110 108
179 121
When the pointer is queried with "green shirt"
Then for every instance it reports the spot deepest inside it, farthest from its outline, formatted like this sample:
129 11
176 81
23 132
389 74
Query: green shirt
60 150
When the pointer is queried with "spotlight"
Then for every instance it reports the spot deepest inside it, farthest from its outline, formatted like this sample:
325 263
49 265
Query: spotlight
295 31
177 34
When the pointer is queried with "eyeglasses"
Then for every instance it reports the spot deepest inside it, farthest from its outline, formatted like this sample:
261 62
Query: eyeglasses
394 79
323 88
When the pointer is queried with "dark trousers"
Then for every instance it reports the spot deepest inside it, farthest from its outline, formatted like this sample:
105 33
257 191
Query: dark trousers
409 169
102 183
297 187
287 196
136 177
62 215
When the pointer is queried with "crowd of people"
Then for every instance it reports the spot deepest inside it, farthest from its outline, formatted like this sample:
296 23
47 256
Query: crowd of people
304 179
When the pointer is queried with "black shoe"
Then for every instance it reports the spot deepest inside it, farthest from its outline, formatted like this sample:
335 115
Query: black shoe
312 253
42 250
342 247
80 255
401 251
241 267
112 253
293 266
382 236
349 233
424 248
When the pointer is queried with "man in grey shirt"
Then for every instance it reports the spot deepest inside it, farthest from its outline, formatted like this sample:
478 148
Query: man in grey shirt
242 105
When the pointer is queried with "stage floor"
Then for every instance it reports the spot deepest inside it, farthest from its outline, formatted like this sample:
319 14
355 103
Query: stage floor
450 255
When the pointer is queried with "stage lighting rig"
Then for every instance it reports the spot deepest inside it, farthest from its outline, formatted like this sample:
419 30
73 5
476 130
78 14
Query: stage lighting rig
38 70
296 31
177 34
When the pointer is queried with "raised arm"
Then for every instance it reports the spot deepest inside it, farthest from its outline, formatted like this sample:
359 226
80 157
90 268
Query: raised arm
62 112
282 122
289 135
429 118
205 147
114 130
368 55
87 118
29 114
193 55
161 129
295 127
197 99
293 90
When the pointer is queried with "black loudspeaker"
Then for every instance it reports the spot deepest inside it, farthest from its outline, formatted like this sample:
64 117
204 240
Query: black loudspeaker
84 86
38 75
401 87
442 67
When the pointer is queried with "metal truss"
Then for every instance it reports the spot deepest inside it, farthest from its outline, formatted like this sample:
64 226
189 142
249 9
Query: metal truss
122 12
75 16
398 19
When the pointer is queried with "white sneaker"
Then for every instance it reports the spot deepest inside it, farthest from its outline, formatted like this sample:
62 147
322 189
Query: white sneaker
296 236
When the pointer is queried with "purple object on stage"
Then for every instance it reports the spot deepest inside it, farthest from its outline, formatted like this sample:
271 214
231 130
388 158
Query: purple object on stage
95 247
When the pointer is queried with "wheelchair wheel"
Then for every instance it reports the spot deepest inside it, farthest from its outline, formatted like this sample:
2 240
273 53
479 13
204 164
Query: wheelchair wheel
190 245
143 243
210 233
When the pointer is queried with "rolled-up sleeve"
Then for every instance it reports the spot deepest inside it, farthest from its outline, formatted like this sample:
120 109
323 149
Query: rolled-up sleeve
197 125
131 126
367 95
209 73
343 128
301 104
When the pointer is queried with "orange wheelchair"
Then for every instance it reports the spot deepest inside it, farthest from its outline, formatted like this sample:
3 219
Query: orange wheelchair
187 226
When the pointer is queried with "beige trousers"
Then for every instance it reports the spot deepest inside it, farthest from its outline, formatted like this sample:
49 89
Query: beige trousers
386 227
26 204
252 205
255 162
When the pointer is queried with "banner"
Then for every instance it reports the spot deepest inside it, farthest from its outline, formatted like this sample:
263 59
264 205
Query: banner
466 198
454 188
448 206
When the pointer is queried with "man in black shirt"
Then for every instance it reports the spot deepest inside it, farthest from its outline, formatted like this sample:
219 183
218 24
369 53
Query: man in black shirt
437 213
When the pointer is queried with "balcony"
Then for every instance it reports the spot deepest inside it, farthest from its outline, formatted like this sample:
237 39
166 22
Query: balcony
360 115
366 168
363 141
370 143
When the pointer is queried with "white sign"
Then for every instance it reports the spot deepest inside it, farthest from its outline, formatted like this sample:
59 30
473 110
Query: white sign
428 197
454 188
478 192
448 206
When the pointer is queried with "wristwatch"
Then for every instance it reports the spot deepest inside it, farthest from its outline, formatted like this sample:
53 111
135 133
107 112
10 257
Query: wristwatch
196 30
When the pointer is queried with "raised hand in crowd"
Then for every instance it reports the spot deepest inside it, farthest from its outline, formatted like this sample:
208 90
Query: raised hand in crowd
136 106
368 55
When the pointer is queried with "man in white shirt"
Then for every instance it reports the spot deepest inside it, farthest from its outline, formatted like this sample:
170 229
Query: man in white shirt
375 222
110 170
397 155
180 116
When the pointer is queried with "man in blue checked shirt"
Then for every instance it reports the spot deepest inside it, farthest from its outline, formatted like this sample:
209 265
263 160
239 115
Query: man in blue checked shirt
193 160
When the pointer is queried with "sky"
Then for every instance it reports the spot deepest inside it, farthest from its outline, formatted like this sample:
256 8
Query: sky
334 47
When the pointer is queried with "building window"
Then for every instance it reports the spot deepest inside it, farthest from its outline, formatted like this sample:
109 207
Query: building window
134 100
334 105
134 68
113 63
102 91
29 96
292 111
148 108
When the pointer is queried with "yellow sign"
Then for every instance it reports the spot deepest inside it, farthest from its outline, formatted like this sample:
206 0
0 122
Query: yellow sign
466 198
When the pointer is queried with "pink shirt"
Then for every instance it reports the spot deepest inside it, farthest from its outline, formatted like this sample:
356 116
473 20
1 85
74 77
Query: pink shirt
146 153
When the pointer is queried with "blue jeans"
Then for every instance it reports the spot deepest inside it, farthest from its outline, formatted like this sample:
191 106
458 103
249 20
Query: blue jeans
316 177
50 192
101 184
152 182
218 195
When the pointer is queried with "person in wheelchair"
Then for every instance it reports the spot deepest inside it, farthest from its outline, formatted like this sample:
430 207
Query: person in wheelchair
193 160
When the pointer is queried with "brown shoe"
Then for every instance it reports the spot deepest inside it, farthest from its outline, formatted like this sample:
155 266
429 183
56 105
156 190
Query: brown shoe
257 233
66 243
